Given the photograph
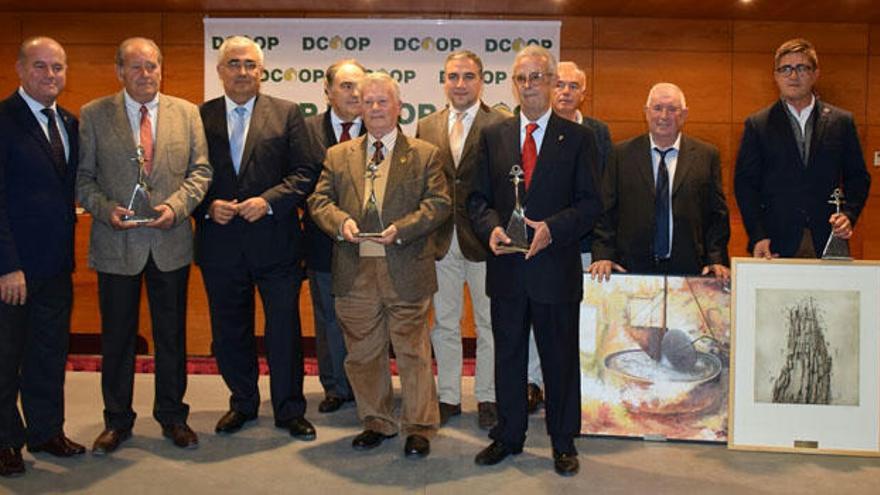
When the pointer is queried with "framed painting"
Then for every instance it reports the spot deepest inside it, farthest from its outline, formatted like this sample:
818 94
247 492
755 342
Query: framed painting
805 356
655 357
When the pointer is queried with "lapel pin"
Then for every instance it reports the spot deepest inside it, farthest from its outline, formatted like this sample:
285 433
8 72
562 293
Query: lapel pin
560 138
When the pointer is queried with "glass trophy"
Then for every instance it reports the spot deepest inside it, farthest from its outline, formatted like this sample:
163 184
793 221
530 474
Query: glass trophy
139 202
516 226
372 223
836 248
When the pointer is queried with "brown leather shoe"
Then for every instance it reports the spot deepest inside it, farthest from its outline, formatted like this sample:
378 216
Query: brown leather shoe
181 434
487 415
59 446
447 411
232 421
535 397
109 440
11 463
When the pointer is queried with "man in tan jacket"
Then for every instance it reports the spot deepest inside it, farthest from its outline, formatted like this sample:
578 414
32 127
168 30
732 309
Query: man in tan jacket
380 196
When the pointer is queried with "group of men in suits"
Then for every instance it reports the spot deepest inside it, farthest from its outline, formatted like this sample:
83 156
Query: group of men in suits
409 221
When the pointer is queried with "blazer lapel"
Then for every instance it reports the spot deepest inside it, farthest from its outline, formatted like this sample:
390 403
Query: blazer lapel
396 166
780 121
356 156
217 128
122 128
821 116
645 165
327 126
682 165
255 130
472 140
28 121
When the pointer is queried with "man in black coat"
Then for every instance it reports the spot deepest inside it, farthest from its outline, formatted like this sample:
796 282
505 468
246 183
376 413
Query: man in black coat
248 235
38 159
544 286
664 210
792 157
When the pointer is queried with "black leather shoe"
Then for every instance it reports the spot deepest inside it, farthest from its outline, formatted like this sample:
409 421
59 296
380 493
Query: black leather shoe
232 421
368 440
447 411
59 446
181 434
535 397
301 429
11 463
109 440
565 464
417 446
495 453
330 404
487 415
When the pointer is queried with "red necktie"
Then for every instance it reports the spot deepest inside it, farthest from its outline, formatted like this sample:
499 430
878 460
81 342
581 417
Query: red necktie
529 153
147 139
345 136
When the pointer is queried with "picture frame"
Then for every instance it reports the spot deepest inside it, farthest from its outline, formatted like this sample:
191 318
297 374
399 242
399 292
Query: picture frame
805 356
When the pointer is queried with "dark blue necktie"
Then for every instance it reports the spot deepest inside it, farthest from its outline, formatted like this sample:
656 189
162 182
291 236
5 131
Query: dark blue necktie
55 143
661 208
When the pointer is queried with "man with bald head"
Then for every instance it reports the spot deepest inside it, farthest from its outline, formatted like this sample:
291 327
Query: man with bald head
141 135
248 236
38 159
664 210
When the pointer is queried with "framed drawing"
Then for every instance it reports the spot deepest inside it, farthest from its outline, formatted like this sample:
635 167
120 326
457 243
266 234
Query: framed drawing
805 360
655 357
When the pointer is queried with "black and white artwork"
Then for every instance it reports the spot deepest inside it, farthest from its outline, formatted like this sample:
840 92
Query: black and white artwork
807 347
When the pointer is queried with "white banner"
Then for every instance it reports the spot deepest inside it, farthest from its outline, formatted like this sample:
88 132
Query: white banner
298 52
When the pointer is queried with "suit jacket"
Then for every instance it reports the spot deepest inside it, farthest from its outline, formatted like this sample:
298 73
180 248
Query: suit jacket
108 172
435 129
37 214
278 163
415 201
319 246
562 194
701 227
778 195
604 146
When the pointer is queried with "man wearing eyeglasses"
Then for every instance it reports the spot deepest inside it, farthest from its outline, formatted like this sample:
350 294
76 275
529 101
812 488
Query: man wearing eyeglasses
663 205
792 157
542 287
248 236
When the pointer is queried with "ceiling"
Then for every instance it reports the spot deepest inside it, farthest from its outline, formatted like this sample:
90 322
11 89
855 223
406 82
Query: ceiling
858 11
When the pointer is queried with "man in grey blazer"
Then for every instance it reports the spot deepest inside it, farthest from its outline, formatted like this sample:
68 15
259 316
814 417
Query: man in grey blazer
460 256
167 133
380 196
664 210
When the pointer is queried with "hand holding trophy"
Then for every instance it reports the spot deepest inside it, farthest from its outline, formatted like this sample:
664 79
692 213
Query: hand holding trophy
837 248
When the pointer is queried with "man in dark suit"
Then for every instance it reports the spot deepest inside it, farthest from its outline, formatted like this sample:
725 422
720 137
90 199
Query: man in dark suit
571 86
248 235
381 196
542 288
38 157
461 258
687 229
341 122
792 157
140 135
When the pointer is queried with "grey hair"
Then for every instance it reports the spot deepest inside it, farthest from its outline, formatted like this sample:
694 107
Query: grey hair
537 52
237 42
120 51
380 79
666 85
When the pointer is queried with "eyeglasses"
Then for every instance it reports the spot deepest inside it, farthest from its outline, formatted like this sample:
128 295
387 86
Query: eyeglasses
571 86
659 109
236 65
801 69
532 78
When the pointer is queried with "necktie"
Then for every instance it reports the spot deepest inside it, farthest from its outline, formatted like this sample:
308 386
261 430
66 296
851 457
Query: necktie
661 207
55 142
372 220
456 137
236 140
146 135
378 155
345 136
529 153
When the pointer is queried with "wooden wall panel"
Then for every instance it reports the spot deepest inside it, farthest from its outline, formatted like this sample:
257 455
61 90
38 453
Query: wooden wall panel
576 32
843 81
8 77
91 74
183 29
871 143
183 72
663 34
752 84
10 29
765 36
873 117
623 79
93 28
874 48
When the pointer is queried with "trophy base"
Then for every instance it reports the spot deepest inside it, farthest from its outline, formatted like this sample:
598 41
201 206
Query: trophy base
511 248
836 249
137 220
369 234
